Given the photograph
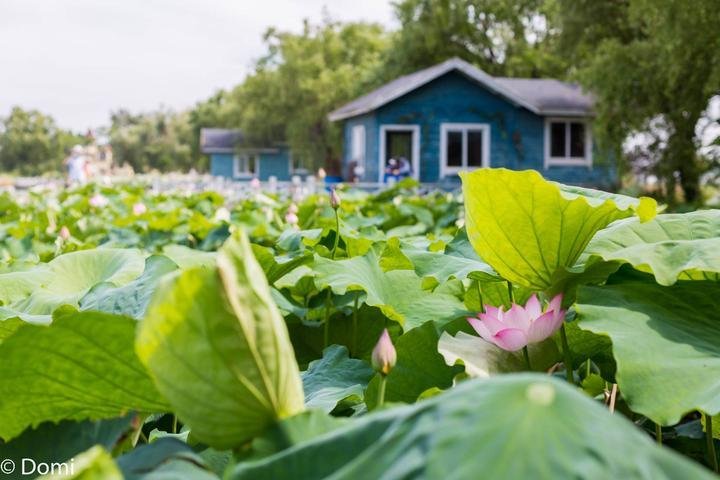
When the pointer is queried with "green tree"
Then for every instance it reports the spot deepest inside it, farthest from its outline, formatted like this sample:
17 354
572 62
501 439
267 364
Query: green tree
653 65
503 37
159 140
300 80
32 144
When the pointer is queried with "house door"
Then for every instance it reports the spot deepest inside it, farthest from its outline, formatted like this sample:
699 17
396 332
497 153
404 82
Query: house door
399 152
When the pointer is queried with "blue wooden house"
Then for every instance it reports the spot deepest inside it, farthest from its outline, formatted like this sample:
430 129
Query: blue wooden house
453 117
231 157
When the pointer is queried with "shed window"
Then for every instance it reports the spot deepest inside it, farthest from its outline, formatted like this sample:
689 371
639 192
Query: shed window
245 165
358 145
463 146
568 143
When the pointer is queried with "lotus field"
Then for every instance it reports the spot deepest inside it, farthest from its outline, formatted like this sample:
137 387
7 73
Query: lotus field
517 328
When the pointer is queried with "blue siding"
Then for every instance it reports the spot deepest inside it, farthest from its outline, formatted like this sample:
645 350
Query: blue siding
516 134
277 164
371 146
221 164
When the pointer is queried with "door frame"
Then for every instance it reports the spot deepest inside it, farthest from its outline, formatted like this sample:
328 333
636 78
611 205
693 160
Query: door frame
382 160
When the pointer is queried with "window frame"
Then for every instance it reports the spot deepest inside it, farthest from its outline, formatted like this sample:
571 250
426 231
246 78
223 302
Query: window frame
567 160
445 128
358 143
239 158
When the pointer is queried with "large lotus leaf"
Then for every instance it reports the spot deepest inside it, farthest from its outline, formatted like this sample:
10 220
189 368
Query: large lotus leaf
672 247
334 377
419 367
666 343
186 257
67 278
398 293
82 366
218 349
441 266
276 267
506 427
131 299
58 442
483 359
528 229
165 458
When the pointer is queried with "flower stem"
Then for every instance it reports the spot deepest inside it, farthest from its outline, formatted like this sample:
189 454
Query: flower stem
526 354
567 358
712 456
381 391
480 298
337 234
658 433
354 324
510 292
326 330
175 424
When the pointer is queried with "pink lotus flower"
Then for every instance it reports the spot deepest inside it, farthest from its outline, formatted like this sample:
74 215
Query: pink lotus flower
64 233
519 326
384 355
98 201
139 208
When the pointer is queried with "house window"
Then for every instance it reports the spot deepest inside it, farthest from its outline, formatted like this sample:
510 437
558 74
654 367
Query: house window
358 145
245 165
567 142
464 146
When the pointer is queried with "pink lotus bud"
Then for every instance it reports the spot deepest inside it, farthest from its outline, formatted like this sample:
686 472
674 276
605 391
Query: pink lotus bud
98 201
64 233
384 356
255 184
291 218
519 326
334 199
139 208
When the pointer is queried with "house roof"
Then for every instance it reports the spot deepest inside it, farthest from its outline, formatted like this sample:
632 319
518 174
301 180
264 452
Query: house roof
219 140
540 96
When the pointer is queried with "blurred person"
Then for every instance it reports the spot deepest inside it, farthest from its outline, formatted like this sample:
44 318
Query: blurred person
76 164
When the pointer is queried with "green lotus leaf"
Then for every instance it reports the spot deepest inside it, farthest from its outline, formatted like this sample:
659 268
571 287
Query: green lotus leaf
666 343
82 366
67 278
133 298
218 349
528 229
398 293
506 427
671 247
335 377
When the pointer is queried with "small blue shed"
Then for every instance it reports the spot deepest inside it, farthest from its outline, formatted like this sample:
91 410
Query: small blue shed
453 116
230 158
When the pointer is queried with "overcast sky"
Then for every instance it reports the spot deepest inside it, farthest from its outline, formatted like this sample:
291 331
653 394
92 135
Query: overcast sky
79 59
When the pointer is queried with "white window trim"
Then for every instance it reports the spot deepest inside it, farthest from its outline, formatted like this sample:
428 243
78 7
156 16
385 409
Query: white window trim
237 173
445 170
382 161
358 152
585 161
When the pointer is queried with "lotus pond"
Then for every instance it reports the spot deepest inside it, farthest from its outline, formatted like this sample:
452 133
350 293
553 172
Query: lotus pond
518 328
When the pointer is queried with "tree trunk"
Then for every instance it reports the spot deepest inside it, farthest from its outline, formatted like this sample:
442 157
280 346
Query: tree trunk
681 154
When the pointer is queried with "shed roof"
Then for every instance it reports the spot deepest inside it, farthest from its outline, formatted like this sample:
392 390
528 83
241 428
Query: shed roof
540 96
219 140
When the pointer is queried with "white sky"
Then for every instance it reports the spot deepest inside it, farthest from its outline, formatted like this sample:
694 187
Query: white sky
79 59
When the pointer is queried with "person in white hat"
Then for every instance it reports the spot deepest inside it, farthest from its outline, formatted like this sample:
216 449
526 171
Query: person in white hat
76 165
